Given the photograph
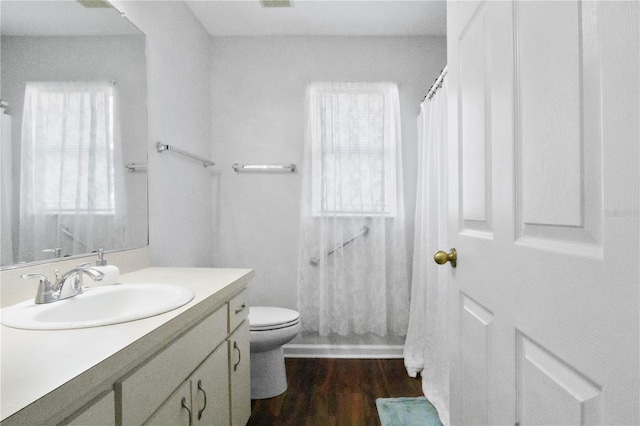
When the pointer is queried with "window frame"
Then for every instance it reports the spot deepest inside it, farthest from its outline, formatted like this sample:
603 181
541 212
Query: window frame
388 152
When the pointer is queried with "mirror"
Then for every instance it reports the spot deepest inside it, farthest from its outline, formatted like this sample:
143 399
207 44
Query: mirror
75 179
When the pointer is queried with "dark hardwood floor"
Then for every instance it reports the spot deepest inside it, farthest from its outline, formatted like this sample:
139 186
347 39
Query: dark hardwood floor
335 392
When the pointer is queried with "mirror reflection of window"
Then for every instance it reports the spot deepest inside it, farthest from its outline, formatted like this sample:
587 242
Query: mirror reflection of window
72 168
63 41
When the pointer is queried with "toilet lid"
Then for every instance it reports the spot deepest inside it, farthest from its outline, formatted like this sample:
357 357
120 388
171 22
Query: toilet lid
269 318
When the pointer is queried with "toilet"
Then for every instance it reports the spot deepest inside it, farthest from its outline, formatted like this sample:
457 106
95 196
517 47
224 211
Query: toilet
270 328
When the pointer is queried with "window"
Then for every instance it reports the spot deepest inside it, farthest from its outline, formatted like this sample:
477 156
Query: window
72 138
353 132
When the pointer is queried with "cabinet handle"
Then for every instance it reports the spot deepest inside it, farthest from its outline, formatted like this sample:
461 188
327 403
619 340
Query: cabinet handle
186 407
242 308
205 400
235 346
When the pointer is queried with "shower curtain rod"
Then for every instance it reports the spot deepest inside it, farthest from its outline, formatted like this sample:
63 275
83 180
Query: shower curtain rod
436 85
114 82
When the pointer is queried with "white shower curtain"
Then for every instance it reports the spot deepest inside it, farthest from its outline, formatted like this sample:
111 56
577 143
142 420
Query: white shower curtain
426 346
72 174
352 180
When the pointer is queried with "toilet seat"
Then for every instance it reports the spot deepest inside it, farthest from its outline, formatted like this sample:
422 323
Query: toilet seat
263 318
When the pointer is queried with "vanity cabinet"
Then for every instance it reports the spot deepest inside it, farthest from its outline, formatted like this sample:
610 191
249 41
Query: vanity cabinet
192 380
186 367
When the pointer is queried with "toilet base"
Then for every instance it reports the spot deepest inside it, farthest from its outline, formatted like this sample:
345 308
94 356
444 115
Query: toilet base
268 375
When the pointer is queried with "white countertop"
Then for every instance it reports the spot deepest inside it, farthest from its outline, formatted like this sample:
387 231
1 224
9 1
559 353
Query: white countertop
35 363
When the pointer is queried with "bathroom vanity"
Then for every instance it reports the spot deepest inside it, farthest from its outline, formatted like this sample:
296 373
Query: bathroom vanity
188 366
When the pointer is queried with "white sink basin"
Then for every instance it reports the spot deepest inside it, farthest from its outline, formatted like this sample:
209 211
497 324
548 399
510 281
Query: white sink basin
97 306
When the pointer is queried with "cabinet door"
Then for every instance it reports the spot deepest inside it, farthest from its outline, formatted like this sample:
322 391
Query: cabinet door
176 410
210 389
144 390
240 375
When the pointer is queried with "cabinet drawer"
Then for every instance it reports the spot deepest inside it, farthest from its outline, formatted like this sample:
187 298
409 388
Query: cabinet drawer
139 394
238 310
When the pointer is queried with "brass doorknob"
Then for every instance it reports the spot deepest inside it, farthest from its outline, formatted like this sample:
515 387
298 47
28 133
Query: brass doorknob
442 257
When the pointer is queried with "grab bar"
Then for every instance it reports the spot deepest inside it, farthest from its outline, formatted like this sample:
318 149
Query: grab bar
264 167
363 231
73 237
165 147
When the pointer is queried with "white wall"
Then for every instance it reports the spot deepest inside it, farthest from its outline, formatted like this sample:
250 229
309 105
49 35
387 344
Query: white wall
178 64
258 87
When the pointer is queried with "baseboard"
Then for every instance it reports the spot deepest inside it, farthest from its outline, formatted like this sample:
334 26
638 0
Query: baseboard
343 351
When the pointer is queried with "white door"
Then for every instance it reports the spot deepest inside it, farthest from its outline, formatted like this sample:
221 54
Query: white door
544 212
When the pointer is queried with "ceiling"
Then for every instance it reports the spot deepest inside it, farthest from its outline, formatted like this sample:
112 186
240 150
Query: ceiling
322 17
239 17
60 18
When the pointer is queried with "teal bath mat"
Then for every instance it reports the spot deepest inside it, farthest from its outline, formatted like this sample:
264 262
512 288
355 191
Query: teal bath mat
407 412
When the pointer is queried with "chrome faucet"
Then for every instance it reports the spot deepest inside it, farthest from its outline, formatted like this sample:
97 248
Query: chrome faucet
70 283
66 286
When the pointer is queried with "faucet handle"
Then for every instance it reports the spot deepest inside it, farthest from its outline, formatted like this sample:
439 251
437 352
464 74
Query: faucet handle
29 276
46 292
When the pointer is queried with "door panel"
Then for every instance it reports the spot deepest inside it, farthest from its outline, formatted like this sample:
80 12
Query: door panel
559 138
549 60
475 333
546 381
475 135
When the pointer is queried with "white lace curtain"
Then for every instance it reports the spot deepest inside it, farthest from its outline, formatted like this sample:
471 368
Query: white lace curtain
72 191
351 183
426 346
6 190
